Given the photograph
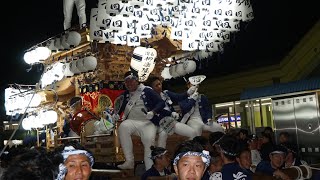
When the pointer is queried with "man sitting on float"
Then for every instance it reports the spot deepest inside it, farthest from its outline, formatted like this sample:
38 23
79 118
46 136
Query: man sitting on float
140 108
75 105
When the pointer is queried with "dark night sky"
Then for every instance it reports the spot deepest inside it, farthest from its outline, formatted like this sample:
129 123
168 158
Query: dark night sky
278 25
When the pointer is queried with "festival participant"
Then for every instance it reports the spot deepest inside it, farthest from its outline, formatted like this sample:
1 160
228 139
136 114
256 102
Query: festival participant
229 149
197 113
161 162
76 162
276 163
75 105
35 164
68 6
141 107
214 169
170 98
190 160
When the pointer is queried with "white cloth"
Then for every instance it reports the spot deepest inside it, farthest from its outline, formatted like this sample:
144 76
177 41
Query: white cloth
68 6
137 124
179 128
146 130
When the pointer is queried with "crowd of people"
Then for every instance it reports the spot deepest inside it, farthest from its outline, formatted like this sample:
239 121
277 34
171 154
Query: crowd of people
147 111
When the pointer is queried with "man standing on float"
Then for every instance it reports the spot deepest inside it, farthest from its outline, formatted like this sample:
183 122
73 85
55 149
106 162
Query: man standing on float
140 108
68 6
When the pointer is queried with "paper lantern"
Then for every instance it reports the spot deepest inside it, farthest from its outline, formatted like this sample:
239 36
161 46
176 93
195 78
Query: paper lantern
29 57
57 44
165 73
51 116
64 43
173 73
42 53
67 70
95 31
90 63
74 68
143 61
189 66
50 45
73 38
26 124
180 69
80 65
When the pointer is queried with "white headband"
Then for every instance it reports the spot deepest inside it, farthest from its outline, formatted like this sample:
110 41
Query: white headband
204 156
70 150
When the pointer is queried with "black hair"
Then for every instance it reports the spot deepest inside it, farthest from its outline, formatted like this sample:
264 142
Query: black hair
132 71
229 147
203 141
268 128
285 134
156 151
244 131
214 137
34 164
150 80
186 146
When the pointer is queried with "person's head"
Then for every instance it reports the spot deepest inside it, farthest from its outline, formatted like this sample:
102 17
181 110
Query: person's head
214 138
77 162
292 153
228 148
277 156
190 160
131 81
253 142
284 137
268 130
160 156
215 162
266 137
243 134
203 141
155 83
34 164
244 158
75 103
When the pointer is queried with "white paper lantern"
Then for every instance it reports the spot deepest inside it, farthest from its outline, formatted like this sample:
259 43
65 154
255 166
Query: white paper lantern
80 65
90 63
26 124
73 38
57 44
51 115
165 73
189 66
64 43
180 69
36 100
67 70
95 31
51 46
173 73
42 53
74 68
29 57
143 61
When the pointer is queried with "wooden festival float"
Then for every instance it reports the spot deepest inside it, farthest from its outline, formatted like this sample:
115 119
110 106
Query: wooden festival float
91 63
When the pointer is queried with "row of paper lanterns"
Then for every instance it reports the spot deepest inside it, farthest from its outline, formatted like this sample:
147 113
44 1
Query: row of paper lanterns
179 70
82 65
201 25
68 40
57 71
39 120
17 100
